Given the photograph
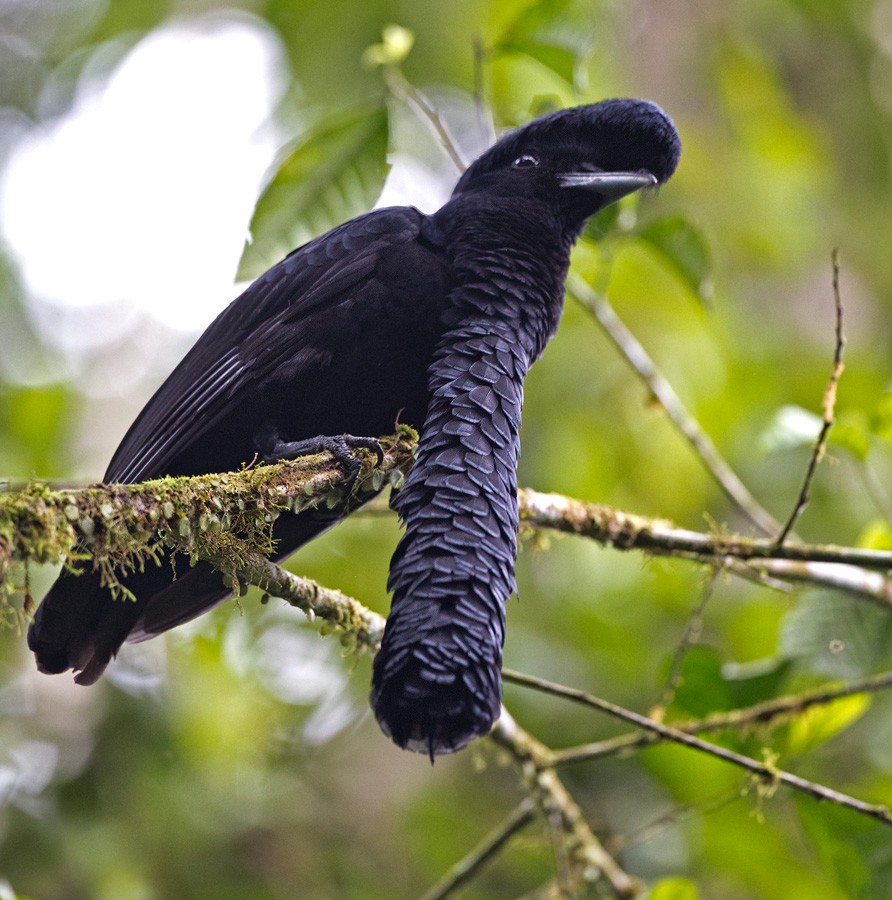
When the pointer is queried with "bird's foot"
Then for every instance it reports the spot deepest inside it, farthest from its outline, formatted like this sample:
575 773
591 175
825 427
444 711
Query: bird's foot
340 446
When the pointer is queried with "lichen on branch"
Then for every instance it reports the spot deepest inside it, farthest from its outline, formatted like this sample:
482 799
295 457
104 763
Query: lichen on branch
226 518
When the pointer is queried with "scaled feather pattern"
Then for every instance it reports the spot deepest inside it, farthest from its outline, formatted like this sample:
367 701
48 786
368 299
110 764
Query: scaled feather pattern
433 320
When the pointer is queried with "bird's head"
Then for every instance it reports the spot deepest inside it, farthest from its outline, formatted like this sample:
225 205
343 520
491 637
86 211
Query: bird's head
583 158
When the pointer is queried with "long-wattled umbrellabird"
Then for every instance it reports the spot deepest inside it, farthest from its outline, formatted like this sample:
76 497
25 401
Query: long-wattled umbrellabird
430 319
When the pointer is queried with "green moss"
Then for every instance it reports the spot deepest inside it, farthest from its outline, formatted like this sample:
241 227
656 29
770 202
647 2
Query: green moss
225 518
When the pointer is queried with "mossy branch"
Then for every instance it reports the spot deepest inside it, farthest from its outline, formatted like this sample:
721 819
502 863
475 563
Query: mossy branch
226 519
584 860
360 627
853 570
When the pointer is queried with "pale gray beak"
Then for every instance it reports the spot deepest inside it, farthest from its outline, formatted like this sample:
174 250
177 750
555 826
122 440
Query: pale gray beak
610 185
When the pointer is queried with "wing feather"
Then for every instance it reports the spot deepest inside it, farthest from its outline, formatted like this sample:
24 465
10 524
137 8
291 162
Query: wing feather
253 336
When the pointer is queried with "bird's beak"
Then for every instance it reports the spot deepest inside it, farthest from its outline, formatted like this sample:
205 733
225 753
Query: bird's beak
610 185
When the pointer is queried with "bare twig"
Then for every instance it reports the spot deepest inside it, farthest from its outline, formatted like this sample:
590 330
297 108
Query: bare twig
403 89
828 406
484 121
874 586
760 714
663 392
619 843
765 772
470 865
554 820
760 574
691 635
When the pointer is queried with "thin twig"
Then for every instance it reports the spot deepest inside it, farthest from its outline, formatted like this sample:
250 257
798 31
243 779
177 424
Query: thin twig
554 821
470 865
873 586
693 629
665 395
828 405
765 772
620 843
759 714
403 89
759 574
777 574
484 121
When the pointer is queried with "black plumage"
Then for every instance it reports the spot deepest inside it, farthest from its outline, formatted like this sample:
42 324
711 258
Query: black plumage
434 320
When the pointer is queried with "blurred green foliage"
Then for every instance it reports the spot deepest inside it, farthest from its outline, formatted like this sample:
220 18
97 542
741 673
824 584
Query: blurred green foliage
251 767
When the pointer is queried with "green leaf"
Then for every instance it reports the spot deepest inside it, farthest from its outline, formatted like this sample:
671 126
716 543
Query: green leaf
851 432
683 246
832 635
817 724
875 535
791 426
560 60
701 688
674 889
556 33
881 420
335 173
602 223
33 423
757 680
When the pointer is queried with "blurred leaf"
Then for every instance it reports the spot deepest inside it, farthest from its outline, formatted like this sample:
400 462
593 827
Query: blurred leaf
852 851
817 724
32 422
335 173
701 688
127 17
558 59
35 413
556 33
396 44
791 426
851 432
674 889
683 246
602 223
756 681
876 535
832 634
881 420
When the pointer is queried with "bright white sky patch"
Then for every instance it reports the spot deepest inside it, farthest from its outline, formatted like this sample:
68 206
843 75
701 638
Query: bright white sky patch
142 194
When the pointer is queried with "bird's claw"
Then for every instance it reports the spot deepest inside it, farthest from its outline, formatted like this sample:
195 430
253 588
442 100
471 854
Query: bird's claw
340 446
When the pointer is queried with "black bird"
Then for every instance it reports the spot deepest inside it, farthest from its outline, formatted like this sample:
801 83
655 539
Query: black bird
432 319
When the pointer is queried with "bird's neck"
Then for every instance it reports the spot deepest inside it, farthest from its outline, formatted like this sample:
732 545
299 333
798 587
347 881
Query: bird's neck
510 263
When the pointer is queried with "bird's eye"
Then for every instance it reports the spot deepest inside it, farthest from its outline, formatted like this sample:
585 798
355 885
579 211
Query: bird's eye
526 161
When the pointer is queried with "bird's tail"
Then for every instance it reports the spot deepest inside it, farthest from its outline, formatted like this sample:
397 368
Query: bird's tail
80 626
436 682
